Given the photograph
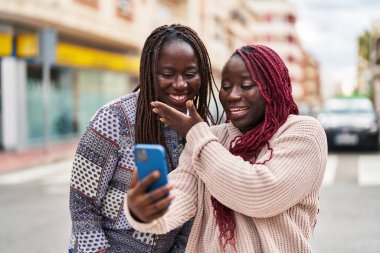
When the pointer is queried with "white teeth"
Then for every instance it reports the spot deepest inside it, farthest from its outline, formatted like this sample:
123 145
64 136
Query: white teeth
233 110
177 97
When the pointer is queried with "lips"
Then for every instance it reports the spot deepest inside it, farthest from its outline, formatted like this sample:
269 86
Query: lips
178 100
237 112
178 97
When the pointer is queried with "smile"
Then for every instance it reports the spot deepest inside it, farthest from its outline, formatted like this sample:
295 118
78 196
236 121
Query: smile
238 111
178 97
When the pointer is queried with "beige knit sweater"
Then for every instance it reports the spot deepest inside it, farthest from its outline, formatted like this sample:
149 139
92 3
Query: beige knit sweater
275 204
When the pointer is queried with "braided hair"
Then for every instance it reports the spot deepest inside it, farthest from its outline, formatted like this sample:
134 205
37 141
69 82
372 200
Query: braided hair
148 126
271 76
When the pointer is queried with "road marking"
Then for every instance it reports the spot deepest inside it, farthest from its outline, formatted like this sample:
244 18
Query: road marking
332 164
369 170
36 173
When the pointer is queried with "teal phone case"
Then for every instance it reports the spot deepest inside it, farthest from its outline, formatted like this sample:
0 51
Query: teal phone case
148 158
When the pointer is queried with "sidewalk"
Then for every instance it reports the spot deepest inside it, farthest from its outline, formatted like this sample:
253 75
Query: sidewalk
14 161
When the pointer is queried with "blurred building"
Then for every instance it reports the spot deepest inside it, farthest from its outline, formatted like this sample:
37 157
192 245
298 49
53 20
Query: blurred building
311 82
95 47
275 27
94 50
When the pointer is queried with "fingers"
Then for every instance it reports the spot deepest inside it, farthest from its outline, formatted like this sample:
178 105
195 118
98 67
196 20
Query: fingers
149 206
160 208
190 106
163 109
143 185
168 115
158 194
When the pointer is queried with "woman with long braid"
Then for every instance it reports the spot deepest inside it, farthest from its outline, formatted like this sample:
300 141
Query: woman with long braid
175 67
252 184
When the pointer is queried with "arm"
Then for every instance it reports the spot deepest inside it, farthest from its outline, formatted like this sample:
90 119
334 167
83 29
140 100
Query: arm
95 161
152 215
261 190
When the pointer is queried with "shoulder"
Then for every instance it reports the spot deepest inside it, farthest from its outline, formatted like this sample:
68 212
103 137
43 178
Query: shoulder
121 104
303 127
301 124
127 101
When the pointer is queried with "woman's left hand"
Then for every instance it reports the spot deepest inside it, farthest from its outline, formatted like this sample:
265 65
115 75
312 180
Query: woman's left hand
180 122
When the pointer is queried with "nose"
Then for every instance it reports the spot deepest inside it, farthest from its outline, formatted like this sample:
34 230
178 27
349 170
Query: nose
234 95
179 83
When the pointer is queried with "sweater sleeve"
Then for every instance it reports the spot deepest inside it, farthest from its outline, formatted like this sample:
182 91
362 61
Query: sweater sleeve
183 206
93 167
261 190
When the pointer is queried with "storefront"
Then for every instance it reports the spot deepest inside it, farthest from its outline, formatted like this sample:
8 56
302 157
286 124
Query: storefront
1 114
82 79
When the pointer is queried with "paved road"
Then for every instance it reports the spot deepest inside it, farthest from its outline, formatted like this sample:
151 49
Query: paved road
349 218
34 213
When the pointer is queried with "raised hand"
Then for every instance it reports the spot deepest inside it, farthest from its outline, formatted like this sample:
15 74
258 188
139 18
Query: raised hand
148 206
175 119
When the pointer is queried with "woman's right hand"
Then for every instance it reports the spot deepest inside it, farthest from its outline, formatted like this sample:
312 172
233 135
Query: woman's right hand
148 206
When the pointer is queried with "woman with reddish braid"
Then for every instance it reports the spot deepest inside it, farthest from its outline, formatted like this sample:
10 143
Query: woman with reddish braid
252 184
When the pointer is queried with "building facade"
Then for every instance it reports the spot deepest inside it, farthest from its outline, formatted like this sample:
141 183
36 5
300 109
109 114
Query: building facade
275 27
92 50
311 82
93 47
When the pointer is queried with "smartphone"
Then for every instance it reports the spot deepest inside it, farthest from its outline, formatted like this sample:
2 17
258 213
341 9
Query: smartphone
148 158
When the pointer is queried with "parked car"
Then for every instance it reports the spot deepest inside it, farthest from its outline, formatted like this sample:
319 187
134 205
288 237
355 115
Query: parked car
350 122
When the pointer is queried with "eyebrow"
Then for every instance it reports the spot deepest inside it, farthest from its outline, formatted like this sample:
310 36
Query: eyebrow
171 68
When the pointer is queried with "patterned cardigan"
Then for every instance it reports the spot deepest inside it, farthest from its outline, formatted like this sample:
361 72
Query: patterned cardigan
101 174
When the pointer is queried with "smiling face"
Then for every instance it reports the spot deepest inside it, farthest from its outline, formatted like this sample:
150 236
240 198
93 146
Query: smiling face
240 96
178 74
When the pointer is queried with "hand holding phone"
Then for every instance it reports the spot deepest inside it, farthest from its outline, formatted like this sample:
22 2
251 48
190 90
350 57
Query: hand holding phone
148 158
149 199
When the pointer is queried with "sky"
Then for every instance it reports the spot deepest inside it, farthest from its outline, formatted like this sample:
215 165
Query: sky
329 30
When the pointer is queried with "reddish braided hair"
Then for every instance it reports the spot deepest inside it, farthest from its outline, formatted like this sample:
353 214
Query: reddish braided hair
271 76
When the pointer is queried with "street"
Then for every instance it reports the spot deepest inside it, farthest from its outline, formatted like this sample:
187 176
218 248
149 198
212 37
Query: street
35 211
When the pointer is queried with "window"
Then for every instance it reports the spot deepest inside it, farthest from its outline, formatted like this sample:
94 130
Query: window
291 58
291 38
124 8
291 18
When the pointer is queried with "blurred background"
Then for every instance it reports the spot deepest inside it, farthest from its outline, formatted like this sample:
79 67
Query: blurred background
61 60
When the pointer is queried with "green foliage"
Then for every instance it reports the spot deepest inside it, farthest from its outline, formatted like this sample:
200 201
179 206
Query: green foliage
364 44
355 94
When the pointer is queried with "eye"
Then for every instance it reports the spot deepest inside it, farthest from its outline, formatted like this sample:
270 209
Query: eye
190 75
226 87
248 86
166 75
